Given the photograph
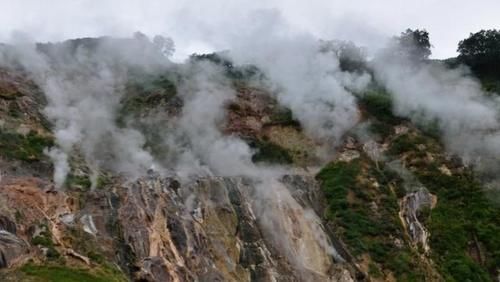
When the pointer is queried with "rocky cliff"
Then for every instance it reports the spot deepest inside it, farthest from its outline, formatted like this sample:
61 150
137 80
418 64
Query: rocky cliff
384 202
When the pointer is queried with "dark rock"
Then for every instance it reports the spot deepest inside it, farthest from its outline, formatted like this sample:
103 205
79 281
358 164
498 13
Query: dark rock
12 248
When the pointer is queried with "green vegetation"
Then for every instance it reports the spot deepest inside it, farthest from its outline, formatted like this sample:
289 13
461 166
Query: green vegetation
481 52
27 148
409 143
283 116
364 230
44 239
414 44
351 57
336 180
378 103
146 91
50 273
78 182
403 143
491 85
462 216
431 129
84 243
231 71
268 152
14 110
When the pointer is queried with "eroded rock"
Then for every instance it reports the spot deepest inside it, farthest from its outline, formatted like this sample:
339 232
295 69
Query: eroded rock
410 206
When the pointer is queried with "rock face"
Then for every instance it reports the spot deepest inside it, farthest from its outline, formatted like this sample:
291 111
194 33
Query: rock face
159 229
410 206
12 248
217 229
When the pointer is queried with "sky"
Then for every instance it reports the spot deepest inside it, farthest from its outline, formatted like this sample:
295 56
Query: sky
202 26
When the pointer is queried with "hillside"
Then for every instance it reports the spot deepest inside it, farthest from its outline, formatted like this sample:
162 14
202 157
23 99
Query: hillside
119 165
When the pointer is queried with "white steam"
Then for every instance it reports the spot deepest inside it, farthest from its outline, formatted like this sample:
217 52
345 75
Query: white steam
306 80
430 93
83 82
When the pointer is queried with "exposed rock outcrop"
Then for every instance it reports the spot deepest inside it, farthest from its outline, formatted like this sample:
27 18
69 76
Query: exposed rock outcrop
410 206
218 229
12 248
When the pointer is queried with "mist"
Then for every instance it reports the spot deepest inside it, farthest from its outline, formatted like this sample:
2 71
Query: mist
83 83
430 93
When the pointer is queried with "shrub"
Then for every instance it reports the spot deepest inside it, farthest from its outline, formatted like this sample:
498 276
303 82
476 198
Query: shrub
378 103
402 144
143 92
78 181
27 148
270 153
283 116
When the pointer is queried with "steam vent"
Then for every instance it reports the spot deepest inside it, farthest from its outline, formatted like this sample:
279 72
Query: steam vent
248 141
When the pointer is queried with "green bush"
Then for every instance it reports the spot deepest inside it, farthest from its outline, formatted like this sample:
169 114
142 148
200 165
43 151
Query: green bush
27 148
284 117
402 144
144 92
270 153
380 128
378 103
44 239
78 181
232 71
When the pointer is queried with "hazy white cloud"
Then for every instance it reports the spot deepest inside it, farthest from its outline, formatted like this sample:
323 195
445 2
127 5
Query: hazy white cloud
197 26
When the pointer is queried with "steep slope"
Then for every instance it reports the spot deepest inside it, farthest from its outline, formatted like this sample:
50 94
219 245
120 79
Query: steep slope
386 202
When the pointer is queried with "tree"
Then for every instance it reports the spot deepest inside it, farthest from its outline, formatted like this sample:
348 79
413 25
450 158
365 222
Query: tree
414 43
351 57
165 45
481 52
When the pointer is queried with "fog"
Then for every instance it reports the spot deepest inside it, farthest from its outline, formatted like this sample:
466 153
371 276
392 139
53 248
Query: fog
195 27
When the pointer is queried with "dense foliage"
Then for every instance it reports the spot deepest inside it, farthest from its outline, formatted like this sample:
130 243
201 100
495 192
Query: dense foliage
481 52
465 224
365 229
414 43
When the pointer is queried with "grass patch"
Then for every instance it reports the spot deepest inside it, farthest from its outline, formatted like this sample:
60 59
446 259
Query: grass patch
283 116
382 129
78 182
144 92
361 228
52 273
378 103
268 152
402 144
27 148
463 214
